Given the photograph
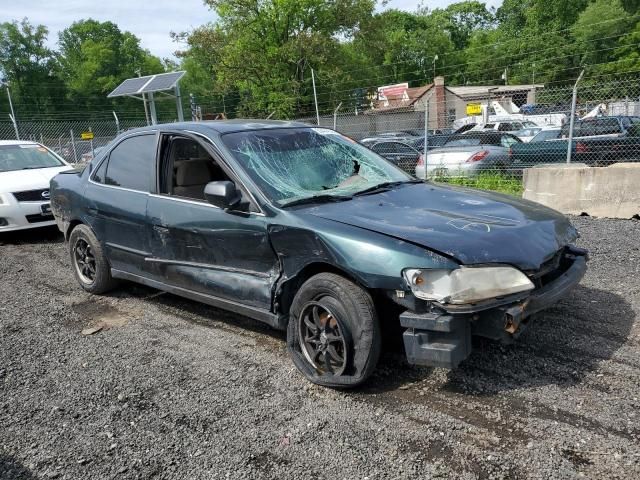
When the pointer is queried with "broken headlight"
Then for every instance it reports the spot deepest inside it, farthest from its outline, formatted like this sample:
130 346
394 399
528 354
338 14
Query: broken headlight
466 284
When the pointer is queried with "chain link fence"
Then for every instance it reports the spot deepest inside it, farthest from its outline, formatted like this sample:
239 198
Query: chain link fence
487 136
482 136
65 137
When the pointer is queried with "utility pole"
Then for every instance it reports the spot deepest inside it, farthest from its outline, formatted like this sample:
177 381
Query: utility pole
426 135
12 116
574 99
315 95
435 59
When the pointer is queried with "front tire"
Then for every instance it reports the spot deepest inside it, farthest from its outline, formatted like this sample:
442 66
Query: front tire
90 265
333 335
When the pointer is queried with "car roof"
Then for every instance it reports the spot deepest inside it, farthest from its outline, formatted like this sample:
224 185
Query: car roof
17 142
224 126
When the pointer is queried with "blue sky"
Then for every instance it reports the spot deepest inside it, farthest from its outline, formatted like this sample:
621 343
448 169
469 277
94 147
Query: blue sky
150 21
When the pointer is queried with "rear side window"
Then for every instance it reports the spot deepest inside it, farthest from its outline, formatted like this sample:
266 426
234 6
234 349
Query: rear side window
99 175
132 163
607 126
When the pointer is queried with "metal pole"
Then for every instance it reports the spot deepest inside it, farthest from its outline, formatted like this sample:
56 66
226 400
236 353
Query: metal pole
146 109
93 153
117 122
426 135
574 99
13 117
335 116
179 103
13 114
73 147
315 95
152 107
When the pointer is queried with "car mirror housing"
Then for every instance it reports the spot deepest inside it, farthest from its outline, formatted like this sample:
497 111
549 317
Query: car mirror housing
222 194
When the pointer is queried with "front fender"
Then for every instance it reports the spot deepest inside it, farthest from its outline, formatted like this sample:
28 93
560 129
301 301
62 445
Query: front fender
375 260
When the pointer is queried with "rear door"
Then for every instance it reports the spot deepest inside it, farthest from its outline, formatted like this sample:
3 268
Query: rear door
199 247
116 199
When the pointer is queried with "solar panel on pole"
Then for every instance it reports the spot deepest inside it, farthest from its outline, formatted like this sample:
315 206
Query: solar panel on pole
165 81
150 83
132 87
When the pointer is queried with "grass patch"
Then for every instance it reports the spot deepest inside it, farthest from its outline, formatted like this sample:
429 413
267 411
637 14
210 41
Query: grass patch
497 182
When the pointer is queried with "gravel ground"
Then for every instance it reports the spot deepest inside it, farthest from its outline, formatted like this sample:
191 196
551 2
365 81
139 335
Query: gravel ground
173 389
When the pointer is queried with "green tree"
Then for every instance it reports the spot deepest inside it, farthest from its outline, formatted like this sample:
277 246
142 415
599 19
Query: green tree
27 64
260 52
94 57
598 31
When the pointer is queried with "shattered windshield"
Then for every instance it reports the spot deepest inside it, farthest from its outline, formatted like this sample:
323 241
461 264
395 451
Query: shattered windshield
289 164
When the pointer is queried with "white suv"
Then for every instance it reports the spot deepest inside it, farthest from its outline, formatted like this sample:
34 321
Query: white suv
25 171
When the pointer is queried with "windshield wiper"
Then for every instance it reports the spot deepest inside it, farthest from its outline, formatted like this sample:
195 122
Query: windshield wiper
384 187
317 199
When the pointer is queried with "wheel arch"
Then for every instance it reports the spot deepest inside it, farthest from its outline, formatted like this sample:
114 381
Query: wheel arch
72 224
287 289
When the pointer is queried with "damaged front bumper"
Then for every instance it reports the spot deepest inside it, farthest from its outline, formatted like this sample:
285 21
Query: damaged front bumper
441 336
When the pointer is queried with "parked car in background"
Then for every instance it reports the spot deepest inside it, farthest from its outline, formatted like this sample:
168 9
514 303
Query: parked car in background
87 157
546 134
303 229
469 154
25 171
437 131
601 127
400 136
510 126
526 134
434 141
599 143
399 153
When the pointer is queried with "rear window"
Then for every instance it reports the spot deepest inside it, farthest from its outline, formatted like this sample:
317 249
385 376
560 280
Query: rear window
607 126
470 139
463 142
26 157
131 163
545 135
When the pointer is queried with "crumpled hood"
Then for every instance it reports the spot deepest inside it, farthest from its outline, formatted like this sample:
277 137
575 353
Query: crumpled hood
471 226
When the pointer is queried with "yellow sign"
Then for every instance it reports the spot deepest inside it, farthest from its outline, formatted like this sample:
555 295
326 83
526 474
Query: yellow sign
86 135
474 109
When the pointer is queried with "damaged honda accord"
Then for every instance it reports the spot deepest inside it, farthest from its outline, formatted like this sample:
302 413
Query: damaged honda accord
312 233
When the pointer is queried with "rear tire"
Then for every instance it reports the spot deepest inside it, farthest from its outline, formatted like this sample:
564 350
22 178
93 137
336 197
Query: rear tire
90 265
333 335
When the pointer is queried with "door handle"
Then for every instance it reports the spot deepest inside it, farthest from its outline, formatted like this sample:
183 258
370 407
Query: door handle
161 228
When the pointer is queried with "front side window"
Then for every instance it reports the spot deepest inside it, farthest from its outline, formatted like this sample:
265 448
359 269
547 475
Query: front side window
132 162
289 164
27 157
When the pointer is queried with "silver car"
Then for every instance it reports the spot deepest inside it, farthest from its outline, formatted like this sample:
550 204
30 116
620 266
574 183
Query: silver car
468 154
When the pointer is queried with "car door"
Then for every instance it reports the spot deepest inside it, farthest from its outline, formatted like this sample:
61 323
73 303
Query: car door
116 198
202 248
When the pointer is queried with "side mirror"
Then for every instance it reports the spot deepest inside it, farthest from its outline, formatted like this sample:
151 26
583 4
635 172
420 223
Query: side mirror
222 194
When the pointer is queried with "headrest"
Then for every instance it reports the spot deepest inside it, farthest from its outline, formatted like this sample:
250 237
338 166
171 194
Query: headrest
191 173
